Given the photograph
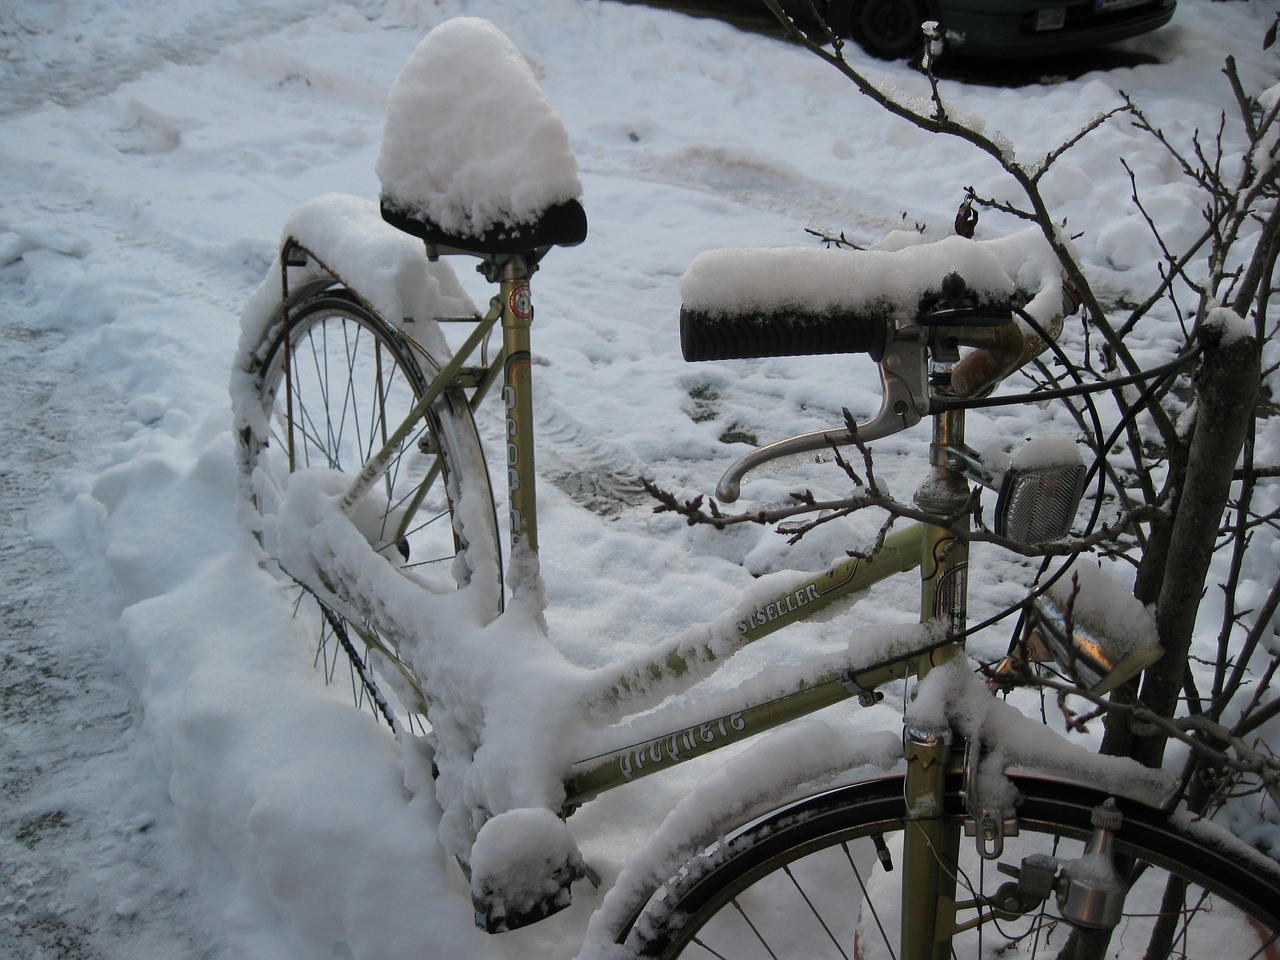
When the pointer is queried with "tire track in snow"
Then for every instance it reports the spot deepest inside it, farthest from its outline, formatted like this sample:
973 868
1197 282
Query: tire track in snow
87 874
68 63
89 846
750 181
80 220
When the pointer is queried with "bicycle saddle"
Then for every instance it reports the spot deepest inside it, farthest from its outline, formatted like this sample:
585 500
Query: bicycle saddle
561 225
474 158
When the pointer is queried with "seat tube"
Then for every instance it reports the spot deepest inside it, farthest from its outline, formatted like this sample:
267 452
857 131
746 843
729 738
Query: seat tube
517 398
930 845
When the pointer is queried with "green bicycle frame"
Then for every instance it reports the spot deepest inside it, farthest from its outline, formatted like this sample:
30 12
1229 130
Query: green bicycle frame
938 550
901 552
513 309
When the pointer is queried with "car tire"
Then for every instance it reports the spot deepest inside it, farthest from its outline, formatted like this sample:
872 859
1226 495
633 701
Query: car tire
887 29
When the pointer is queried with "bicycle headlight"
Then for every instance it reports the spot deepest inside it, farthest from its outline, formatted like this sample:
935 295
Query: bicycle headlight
1096 660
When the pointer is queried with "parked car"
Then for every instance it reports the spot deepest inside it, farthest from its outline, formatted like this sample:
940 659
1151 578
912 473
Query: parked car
890 29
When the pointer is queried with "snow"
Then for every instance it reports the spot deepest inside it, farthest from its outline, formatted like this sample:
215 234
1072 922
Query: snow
517 858
954 692
386 265
179 781
438 162
772 280
1228 325
1101 606
1060 450
787 763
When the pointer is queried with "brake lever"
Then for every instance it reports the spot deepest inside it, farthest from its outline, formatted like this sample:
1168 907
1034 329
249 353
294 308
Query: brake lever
904 380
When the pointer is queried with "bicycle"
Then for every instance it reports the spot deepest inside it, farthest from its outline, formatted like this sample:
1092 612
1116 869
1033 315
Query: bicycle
372 493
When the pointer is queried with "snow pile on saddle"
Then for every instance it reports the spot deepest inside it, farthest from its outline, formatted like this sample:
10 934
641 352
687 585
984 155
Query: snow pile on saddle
471 141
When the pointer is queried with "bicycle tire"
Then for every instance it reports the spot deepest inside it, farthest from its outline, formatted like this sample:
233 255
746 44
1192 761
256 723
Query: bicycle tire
770 890
352 378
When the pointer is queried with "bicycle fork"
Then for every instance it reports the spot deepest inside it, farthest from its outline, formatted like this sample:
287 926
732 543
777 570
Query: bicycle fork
1090 892
929 843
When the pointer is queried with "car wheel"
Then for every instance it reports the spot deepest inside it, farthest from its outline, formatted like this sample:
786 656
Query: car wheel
888 29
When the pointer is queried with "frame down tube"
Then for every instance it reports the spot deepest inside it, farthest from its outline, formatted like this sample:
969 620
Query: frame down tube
901 552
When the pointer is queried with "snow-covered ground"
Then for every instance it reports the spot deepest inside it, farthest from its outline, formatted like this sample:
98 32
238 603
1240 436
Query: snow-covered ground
177 780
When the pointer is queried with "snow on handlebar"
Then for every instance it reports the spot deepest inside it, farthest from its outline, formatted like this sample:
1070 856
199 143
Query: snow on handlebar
891 302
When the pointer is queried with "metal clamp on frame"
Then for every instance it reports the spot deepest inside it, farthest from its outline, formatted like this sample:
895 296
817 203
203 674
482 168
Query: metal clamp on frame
990 824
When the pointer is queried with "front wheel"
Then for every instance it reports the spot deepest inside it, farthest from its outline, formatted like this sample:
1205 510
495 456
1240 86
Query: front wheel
820 879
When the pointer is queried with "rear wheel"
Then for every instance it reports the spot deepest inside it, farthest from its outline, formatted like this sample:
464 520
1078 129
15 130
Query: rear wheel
334 387
811 882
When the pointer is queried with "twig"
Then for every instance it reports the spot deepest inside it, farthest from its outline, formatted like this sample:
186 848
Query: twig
1195 731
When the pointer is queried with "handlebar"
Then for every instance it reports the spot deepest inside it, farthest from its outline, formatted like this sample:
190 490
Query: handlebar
903 364
738 334
899 328
747 336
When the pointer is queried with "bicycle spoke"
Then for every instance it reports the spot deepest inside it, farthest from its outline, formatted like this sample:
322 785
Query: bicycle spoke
350 401
715 953
737 906
325 657
336 441
814 910
334 391
328 445
406 496
781 875
426 563
866 896
310 437
418 528
321 438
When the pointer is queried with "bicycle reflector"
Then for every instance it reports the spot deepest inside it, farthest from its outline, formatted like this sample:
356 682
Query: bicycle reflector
1040 491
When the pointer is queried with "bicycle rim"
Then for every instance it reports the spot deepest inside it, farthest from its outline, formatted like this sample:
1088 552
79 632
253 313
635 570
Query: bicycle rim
335 388
810 882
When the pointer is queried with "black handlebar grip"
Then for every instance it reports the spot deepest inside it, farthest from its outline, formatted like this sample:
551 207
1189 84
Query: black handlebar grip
705 336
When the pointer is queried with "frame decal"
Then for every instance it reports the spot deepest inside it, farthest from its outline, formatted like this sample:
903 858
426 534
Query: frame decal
521 302
677 747
779 608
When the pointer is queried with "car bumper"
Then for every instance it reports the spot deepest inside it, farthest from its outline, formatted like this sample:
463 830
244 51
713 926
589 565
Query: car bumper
1040 28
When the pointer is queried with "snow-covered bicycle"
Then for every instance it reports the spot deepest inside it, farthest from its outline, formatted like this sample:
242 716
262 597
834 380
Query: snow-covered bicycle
372 494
